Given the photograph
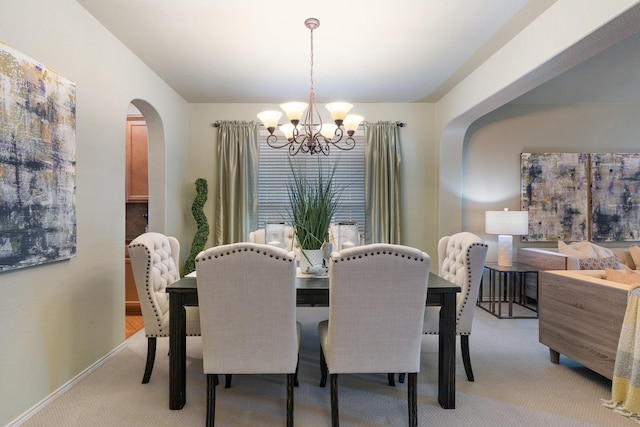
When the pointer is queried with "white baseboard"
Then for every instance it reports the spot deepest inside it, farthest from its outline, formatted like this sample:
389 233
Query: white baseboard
62 389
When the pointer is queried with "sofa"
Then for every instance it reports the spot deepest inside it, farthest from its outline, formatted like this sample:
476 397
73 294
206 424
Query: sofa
580 316
551 259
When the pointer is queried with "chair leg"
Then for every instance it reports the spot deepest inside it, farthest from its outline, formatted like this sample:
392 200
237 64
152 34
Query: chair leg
227 380
151 357
323 369
295 375
390 378
401 378
335 422
212 381
290 384
464 346
412 399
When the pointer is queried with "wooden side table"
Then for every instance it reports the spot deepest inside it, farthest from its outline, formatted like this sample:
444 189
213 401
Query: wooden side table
507 286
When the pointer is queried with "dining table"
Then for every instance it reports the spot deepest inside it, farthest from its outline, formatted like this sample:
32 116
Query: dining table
312 291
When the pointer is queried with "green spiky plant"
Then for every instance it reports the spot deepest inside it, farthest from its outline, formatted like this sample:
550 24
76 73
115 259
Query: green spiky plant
202 233
313 203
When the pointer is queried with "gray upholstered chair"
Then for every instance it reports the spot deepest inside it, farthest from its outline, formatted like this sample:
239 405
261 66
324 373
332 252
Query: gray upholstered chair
376 314
247 299
155 261
461 260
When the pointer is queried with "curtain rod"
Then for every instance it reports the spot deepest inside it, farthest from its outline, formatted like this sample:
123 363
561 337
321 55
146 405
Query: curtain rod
399 124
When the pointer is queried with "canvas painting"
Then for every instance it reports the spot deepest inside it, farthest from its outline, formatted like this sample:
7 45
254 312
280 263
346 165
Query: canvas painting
555 191
615 197
37 163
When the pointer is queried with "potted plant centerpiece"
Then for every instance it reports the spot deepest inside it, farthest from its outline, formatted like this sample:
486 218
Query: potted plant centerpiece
314 200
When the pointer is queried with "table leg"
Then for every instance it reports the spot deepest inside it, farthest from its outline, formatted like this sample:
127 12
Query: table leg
500 285
447 352
177 351
511 291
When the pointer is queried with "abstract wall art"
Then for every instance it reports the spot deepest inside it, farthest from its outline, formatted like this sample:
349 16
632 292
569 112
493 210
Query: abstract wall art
555 189
37 163
615 197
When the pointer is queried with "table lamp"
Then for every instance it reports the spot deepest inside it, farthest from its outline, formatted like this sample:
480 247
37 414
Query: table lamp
505 224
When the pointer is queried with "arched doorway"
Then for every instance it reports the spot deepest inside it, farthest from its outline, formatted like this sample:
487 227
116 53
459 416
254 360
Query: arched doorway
145 192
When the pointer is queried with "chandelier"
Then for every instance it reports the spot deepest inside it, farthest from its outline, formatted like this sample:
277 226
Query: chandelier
306 137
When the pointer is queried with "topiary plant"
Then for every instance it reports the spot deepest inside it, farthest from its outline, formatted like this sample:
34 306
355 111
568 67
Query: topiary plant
202 233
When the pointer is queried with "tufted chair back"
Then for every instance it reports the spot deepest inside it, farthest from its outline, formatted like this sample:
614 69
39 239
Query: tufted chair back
461 261
290 243
154 260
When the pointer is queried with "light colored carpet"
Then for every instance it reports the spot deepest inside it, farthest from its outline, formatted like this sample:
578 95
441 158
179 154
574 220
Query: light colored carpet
515 385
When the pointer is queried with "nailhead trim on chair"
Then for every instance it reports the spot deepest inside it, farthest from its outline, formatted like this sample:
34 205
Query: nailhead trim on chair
378 253
232 251
466 295
148 289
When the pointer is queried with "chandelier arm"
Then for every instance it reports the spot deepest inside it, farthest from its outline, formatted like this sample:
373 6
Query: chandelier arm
324 149
294 148
348 144
272 141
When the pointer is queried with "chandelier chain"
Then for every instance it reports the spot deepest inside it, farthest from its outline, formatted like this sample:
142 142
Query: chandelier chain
311 62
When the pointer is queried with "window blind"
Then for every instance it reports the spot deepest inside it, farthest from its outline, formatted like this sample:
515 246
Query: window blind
274 177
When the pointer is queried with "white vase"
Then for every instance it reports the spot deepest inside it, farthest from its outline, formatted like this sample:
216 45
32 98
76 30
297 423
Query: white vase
314 259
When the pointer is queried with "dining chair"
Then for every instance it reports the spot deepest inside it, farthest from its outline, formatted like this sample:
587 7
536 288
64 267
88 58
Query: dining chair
461 258
155 261
247 299
377 300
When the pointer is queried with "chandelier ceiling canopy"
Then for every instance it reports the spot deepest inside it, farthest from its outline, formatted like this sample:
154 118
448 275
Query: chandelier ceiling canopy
312 135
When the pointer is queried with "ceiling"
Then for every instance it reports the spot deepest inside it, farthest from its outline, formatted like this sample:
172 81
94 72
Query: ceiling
364 50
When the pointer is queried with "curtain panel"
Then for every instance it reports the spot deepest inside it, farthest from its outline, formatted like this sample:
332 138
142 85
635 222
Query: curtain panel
382 182
236 188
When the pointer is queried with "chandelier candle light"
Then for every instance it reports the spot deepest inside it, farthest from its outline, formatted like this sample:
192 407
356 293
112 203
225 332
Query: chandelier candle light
303 136
505 224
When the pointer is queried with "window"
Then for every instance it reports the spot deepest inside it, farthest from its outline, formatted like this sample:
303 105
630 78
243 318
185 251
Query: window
275 174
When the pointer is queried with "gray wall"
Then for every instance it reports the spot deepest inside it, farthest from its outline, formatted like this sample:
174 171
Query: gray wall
491 159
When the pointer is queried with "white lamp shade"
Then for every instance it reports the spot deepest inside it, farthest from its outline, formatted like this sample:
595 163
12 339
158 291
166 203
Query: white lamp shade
294 110
352 121
507 222
270 118
287 129
328 130
339 110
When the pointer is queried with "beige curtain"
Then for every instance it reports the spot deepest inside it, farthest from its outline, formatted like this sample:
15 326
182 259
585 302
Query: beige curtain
236 189
382 182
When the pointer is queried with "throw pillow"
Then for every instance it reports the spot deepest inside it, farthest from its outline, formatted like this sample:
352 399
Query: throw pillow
634 251
599 263
584 250
628 276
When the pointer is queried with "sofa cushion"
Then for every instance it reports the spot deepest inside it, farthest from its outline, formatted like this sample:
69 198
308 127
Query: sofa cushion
634 251
627 276
599 263
584 250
